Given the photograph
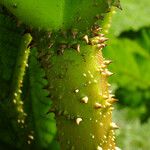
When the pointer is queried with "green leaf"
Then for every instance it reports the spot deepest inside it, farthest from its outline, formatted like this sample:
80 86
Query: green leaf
132 134
129 58
135 15
43 124
131 66
50 14
10 39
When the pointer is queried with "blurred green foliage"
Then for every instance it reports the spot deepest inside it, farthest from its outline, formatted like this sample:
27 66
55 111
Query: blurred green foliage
134 16
132 134
131 66
130 52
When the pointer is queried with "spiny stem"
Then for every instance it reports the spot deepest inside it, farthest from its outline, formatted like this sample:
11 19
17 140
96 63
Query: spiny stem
21 64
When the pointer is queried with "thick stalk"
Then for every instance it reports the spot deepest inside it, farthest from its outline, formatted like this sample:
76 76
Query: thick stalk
77 75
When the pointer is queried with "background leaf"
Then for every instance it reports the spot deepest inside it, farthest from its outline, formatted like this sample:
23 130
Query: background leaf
135 15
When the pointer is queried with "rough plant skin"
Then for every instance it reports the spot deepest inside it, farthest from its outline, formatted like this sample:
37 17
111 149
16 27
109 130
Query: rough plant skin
77 75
